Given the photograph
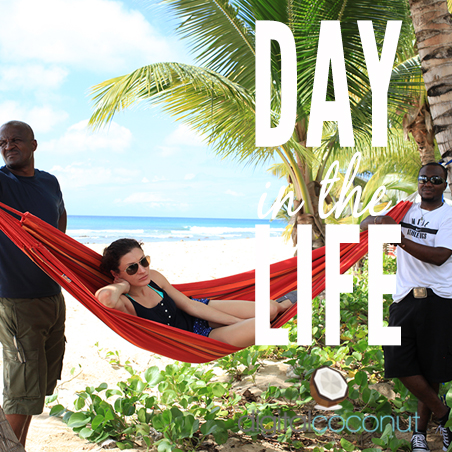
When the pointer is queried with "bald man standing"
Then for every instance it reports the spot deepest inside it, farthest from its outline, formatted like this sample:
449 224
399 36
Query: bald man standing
32 309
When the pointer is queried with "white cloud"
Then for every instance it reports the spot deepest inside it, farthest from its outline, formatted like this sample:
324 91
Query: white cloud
79 175
158 178
233 193
41 119
184 136
189 176
79 138
145 180
93 34
83 174
152 200
31 77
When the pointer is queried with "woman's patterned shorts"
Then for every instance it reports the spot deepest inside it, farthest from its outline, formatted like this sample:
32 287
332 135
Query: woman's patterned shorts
201 326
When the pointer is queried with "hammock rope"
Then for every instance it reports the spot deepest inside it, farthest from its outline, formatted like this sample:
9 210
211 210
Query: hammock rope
76 268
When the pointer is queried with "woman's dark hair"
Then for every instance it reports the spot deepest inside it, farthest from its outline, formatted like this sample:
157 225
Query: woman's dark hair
113 253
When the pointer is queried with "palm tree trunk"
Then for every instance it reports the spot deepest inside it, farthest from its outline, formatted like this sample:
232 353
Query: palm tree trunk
303 217
418 122
433 27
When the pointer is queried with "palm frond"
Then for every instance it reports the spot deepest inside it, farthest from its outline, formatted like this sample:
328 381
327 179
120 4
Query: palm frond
221 36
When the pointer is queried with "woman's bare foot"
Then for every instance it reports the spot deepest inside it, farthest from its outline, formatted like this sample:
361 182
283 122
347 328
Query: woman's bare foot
284 306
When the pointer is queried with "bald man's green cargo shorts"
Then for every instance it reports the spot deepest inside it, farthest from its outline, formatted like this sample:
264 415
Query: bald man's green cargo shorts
32 334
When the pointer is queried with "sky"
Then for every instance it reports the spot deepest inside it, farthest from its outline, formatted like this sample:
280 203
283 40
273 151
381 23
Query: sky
143 163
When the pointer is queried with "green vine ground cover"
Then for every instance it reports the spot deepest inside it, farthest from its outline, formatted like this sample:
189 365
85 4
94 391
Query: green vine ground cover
182 406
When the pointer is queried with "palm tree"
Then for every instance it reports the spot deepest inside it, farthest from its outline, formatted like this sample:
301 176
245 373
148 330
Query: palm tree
433 28
217 98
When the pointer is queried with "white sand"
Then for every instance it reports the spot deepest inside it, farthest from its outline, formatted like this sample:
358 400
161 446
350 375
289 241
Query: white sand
180 262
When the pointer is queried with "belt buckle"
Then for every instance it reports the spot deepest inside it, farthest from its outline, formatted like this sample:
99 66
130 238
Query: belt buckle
420 292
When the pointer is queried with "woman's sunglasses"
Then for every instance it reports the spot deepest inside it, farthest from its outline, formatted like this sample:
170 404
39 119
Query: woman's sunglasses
133 268
435 180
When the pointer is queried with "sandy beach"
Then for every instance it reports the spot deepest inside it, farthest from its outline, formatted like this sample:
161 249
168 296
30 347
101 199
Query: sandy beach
85 363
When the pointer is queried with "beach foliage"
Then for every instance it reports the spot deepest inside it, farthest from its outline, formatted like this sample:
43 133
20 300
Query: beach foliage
184 405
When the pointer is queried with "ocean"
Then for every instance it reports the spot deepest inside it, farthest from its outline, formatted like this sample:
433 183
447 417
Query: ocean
104 229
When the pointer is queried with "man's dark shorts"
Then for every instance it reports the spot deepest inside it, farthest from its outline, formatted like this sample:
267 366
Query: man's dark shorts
32 334
426 347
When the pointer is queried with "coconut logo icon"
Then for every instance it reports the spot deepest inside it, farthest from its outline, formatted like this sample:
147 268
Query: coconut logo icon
328 388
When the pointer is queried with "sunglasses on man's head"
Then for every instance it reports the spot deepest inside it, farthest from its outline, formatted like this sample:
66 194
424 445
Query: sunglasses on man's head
133 268
435 180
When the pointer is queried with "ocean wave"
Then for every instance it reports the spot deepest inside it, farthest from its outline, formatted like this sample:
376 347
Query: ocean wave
107 231
91 232
220 230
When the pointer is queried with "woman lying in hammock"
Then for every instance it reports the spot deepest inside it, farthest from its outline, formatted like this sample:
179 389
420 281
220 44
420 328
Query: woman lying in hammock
146 293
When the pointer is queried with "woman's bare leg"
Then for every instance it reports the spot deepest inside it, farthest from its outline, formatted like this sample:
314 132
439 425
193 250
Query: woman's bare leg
240 334
238 308
245 309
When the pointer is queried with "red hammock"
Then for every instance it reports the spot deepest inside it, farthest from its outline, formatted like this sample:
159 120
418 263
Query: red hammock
76 268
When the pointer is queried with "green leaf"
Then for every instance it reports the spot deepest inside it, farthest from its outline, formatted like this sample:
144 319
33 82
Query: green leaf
124 445
218 390
152 375
128 408
158 424
102 437
378 442
175 412
291 393
142 414
57 410
140 386
85 433
168 397
110 392
78 420
165 445
347 445
109 415
51 399
387 432
149 402
79 403
217 428
67 416
361 378
101 387
97 421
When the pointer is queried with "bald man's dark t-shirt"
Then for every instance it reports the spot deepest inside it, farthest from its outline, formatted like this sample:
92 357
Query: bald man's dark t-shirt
40 195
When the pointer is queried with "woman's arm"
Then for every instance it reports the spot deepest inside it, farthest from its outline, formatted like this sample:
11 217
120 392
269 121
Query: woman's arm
112 296
192 307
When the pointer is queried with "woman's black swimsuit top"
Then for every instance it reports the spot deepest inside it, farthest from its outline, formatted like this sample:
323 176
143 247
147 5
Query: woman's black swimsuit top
165 311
